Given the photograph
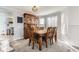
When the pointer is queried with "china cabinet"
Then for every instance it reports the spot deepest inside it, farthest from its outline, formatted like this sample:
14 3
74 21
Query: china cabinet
29 21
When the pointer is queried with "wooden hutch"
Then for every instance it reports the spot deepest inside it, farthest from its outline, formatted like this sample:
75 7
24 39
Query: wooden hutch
29 21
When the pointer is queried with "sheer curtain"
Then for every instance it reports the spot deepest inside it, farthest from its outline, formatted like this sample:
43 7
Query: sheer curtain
63 24
52 21
49 22
42 22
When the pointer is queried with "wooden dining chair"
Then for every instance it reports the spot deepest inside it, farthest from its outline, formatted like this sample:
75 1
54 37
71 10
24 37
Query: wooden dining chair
55 33
31 33
50 33
34 38
45 39
41 28
30 29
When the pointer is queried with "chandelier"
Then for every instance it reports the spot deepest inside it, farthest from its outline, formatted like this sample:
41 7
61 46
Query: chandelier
34 8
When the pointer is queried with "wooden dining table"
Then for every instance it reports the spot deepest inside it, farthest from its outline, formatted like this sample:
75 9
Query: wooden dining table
41 33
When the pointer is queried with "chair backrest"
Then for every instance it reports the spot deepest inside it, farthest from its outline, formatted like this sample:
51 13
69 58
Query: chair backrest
41 28
49 29
55 30
49 32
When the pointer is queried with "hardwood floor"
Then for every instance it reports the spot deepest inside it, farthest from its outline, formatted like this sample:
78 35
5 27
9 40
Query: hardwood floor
23 46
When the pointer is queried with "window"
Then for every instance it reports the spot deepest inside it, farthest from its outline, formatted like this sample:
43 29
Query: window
52 21
42 22
49 22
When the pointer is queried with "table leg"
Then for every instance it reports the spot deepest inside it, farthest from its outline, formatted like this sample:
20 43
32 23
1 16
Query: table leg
40 43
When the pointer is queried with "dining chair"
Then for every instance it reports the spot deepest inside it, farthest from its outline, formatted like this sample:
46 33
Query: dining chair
31 34
55 33
41 28
45 39
31 37
50 34
34 38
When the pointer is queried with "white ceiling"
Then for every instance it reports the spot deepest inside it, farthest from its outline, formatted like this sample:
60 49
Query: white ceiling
43 10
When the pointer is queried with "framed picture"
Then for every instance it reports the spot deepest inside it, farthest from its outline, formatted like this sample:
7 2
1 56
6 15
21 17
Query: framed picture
19 19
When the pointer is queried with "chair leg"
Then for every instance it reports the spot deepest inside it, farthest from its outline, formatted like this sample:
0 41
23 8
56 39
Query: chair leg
32 44
50 41
46 43
55 38
29 41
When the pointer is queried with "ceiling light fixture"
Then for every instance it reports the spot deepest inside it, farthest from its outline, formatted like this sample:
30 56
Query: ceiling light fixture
34 8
